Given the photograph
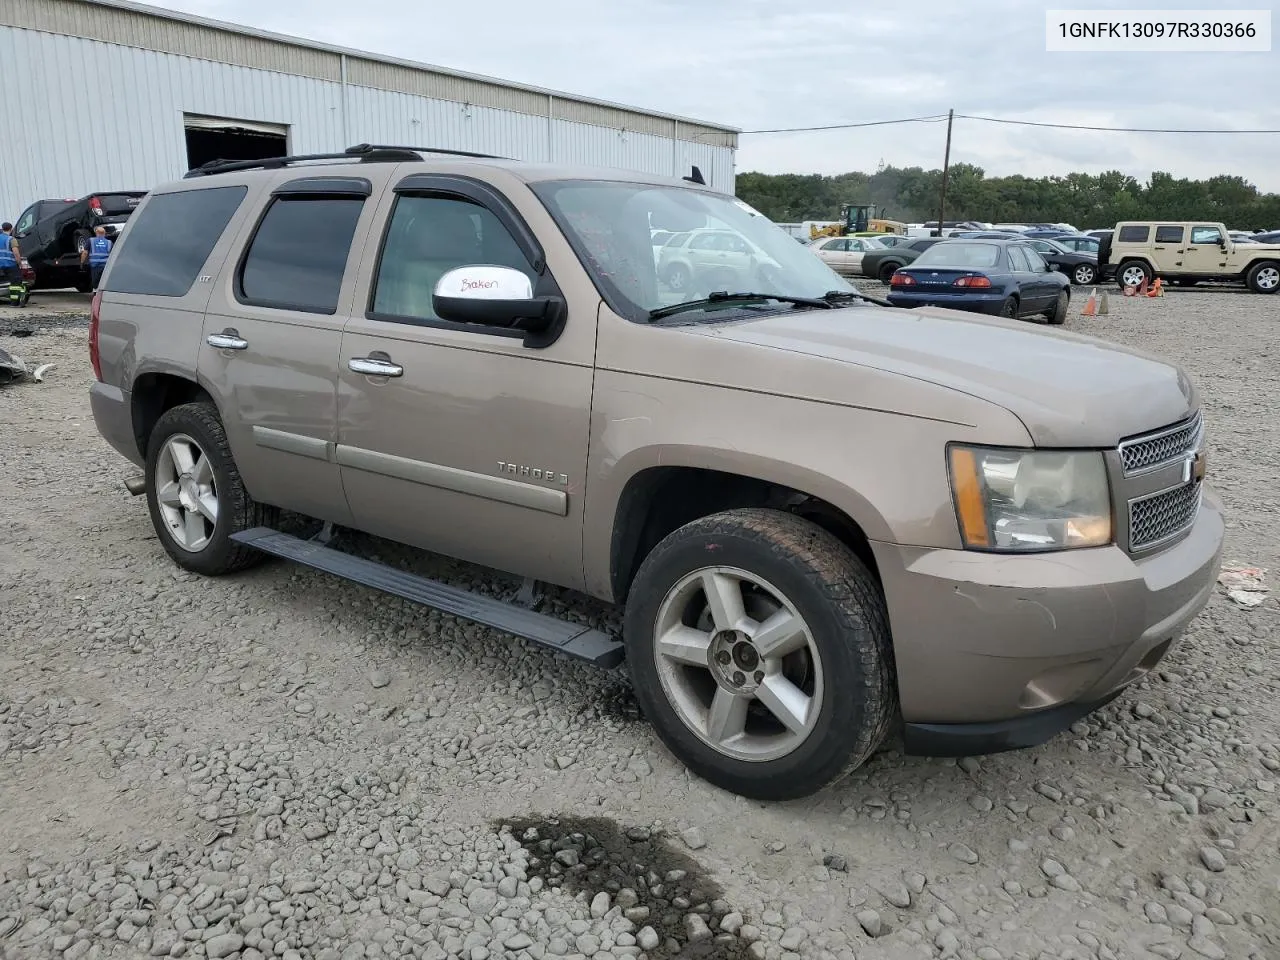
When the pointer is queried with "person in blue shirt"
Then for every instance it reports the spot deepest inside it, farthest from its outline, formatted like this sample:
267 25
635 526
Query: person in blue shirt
10 257
96 252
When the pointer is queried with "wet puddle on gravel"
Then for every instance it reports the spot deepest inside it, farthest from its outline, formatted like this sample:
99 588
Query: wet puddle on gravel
656 885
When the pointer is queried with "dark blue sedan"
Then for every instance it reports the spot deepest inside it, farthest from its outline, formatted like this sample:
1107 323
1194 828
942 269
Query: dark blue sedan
1007 278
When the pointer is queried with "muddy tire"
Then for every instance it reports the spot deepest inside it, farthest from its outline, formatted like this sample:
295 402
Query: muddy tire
196 497
760 651
1009 309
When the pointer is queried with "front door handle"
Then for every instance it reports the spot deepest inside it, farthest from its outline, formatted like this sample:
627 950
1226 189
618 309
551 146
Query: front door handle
227 340
374 367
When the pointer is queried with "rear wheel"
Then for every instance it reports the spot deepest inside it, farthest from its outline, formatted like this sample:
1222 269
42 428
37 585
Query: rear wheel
678 277
195 494
1264 277
1009 308
887 270
1057 314
1132 273
759 648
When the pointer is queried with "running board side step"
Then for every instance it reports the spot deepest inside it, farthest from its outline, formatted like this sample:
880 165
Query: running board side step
572 639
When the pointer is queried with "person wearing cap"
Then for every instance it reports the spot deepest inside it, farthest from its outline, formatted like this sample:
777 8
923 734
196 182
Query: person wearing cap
96 252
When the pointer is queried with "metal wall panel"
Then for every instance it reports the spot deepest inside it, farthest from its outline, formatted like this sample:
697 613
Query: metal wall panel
377 116
169 35
124 129
152 28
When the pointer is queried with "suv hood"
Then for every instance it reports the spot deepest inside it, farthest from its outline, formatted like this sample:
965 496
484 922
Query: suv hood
1067 389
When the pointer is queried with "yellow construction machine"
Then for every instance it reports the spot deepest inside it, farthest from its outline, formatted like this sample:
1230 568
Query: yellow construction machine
858 218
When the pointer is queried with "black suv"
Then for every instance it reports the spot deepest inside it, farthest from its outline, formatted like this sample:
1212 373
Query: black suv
51 234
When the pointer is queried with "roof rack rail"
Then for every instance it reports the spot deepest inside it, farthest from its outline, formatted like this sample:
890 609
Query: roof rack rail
364 152
362 147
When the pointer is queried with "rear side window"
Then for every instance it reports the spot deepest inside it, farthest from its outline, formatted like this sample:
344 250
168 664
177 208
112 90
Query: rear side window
1018 259
170 240
298 254
1169 234
1133 234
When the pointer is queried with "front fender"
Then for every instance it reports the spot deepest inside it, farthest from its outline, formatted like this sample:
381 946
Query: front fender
885 471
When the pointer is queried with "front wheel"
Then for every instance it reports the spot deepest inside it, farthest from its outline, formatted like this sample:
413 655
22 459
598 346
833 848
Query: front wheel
195 494
759 648
1264 277
1083 274
678 277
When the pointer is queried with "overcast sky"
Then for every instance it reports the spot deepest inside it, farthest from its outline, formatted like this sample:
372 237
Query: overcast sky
758 64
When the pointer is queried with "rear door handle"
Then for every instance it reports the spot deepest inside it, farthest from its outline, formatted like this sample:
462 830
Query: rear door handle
227 340
374 367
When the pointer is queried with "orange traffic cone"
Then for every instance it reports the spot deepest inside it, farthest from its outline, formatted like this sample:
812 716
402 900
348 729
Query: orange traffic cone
1103 307
1091 305
1157 289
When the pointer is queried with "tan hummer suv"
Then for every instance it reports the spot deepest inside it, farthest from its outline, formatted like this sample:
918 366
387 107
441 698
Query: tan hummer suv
827 521
1187 253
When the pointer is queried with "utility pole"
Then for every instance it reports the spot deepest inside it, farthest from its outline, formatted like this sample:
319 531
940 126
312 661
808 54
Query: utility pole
946 166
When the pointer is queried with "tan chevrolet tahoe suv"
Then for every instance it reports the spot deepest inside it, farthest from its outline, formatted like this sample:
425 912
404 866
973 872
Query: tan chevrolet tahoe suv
1186 253
828 522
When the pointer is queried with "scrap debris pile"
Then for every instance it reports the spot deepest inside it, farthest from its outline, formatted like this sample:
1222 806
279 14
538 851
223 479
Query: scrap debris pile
14 369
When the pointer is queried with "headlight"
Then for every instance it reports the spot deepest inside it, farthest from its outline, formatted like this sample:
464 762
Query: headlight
1012 501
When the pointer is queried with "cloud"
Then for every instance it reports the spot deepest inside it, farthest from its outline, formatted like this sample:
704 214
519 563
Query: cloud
759 64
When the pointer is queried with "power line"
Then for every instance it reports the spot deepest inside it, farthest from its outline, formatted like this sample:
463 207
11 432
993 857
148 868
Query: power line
850 126
1022 123
1079 126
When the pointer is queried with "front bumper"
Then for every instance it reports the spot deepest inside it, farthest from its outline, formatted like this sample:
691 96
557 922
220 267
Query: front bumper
973 302
995 651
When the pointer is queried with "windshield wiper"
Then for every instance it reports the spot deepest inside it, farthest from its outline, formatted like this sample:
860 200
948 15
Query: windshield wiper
836 296
721 296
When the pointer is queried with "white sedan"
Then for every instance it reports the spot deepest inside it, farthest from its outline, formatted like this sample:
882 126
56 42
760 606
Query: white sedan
844 254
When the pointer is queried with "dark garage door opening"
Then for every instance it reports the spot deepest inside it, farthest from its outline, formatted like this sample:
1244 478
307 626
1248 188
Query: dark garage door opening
213 139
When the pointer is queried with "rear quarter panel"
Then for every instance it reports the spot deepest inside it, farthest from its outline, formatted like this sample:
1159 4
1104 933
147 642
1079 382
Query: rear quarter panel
140 335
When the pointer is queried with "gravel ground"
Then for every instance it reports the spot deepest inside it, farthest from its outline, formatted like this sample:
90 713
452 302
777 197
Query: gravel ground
280 764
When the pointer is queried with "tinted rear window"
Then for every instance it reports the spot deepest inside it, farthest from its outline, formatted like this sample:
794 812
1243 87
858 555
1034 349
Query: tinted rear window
960 253
1133 234
1169 234
170 240
115 204
299 253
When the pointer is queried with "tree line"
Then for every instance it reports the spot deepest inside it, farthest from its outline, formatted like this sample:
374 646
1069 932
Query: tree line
1087 201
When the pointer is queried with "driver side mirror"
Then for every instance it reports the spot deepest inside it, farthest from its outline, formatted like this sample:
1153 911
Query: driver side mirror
494 297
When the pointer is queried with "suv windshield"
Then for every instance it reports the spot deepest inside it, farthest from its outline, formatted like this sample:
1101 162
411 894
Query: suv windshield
720 244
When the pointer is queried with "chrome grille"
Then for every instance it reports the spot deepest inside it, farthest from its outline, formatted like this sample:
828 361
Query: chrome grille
1159 517
1165 446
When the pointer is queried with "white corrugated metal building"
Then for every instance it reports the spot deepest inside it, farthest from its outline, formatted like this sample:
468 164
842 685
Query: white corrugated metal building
117 95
